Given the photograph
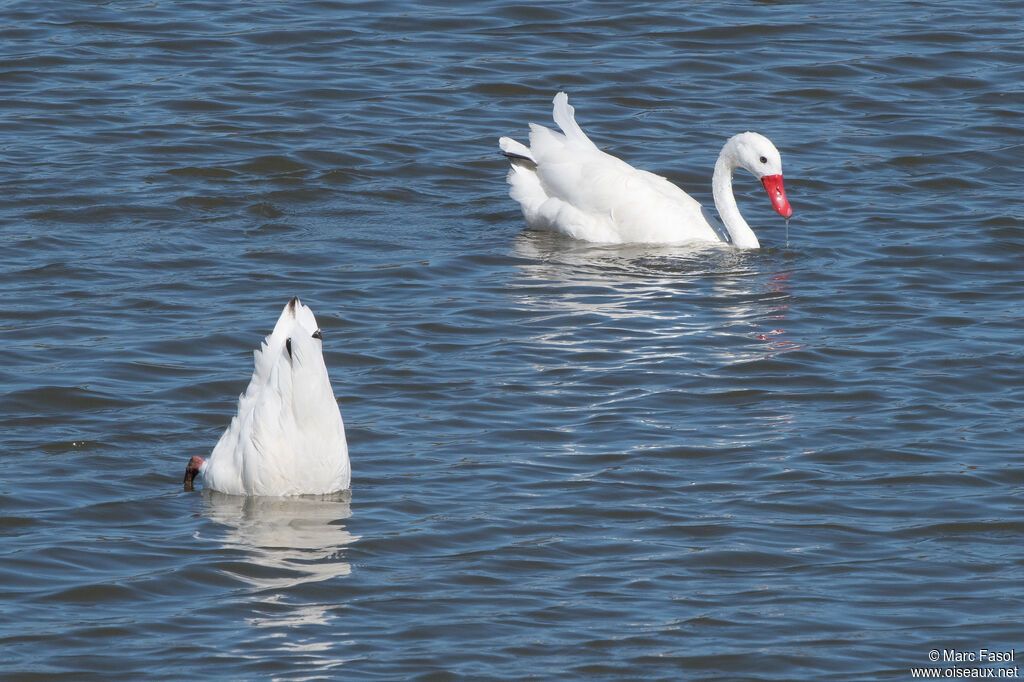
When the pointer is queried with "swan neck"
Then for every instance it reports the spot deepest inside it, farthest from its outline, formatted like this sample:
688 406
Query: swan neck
721 186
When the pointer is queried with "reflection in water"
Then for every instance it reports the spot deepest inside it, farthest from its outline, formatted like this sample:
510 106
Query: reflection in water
551 253
726 290
286 543
656 325
776 337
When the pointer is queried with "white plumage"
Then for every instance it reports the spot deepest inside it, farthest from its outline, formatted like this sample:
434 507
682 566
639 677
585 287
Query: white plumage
564 183
288 437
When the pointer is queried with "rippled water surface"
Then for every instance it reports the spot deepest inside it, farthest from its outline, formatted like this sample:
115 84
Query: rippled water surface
570 461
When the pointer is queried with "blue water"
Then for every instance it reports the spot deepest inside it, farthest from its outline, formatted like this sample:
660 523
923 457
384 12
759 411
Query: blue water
570 461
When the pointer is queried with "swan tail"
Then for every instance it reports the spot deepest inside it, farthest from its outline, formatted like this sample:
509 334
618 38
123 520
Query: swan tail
565 117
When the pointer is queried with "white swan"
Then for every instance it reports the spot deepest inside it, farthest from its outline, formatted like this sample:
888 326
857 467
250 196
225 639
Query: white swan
565 183
288 437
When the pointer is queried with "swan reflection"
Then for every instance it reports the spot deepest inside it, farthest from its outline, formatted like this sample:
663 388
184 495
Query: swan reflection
285 543
640 286
637 333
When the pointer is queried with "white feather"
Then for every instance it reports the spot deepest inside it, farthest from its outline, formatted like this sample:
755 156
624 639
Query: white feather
566 184
288 437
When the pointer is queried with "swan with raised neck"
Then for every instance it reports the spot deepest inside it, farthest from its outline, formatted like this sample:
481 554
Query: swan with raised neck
565 183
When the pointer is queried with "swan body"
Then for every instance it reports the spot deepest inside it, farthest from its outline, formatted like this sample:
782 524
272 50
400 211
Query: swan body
564 183
288 437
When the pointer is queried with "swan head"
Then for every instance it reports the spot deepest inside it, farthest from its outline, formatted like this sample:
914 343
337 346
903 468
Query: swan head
758 155
194 468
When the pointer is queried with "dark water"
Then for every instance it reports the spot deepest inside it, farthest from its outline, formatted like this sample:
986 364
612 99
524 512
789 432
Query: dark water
569 461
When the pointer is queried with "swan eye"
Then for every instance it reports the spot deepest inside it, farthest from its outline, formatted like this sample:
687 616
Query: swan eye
764 160
318 335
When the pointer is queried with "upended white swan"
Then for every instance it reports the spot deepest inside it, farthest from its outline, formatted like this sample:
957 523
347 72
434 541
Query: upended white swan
564 183
288 437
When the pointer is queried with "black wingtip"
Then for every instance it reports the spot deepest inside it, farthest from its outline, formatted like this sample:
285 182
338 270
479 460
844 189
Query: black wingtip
513 155
520 160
